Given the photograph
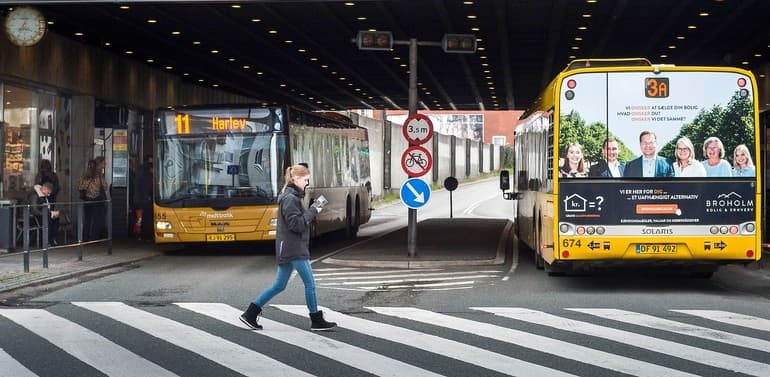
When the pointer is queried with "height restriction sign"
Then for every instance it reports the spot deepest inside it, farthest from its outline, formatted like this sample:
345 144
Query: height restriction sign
417 129
416 161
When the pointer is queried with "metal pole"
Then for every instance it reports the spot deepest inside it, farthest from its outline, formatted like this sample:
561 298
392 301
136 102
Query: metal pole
412 225
450 205
45 219
109 226
25 229
80 231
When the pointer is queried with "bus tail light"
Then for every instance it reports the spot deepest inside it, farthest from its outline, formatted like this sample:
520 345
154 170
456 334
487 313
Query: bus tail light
565 253
733 229
581 230
749 253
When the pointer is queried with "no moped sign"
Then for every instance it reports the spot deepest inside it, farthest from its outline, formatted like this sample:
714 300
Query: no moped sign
417 129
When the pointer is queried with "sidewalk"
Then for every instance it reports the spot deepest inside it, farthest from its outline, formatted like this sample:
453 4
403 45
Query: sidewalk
440 243
63 262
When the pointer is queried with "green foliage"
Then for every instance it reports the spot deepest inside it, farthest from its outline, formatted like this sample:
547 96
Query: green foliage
734 125
572 129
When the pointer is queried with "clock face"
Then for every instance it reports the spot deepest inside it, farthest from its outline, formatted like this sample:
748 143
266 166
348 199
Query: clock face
25 26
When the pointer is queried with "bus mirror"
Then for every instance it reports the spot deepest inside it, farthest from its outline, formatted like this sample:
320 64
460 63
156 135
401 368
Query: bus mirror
505 180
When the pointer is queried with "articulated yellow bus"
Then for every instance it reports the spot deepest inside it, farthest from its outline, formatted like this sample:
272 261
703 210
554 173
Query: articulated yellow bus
621 160
219 170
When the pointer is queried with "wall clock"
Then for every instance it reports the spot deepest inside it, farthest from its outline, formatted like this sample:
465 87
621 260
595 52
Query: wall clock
25 26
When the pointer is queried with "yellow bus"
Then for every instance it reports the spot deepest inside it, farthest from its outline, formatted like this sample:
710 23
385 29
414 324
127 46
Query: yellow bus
219 170
621 160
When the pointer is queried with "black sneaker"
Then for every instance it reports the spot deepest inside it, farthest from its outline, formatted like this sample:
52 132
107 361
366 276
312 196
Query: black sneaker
250 317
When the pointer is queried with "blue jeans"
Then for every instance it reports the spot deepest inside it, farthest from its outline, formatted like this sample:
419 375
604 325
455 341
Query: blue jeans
284 273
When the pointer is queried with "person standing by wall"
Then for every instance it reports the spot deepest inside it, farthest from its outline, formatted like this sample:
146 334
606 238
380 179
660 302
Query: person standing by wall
291 247
94 191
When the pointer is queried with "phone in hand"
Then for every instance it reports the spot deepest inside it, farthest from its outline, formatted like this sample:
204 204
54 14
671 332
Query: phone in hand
321 201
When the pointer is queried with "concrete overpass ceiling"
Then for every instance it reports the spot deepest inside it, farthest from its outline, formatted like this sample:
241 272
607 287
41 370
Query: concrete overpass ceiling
301 51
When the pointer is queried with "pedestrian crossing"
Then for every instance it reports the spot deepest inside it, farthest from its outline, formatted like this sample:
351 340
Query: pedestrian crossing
382 341
424 279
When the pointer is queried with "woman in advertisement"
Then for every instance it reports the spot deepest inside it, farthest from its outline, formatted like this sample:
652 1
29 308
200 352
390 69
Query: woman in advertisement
715 165
574 165
743 165
685 164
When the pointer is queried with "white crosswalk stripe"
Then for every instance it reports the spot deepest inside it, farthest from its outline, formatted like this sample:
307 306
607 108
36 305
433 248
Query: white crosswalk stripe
469 354
10 367
667 347
429 279
86 345
678 327
559 348
214 348
351 355
588 347
731 318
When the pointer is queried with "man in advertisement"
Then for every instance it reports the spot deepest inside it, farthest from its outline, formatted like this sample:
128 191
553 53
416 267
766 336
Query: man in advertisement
610 166
649 164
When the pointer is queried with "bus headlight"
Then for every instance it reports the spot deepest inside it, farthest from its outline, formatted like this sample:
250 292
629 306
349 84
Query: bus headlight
163 225
273 222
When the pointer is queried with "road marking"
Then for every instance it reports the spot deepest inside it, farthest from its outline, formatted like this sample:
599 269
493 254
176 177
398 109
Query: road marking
431 285
536 342
214 348
397 281
666 347
430 343
11 367
399 274
736 319
84 344
356 357
678 327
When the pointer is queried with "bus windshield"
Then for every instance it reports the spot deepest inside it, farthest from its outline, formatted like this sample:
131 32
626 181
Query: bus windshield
218 158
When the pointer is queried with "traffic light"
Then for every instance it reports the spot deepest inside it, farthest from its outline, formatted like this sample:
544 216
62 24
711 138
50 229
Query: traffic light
460 43
374 40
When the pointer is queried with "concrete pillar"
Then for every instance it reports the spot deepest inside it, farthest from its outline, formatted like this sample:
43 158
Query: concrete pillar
81 138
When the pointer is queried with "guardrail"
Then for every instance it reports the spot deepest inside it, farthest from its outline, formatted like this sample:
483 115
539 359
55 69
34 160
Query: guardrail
21 220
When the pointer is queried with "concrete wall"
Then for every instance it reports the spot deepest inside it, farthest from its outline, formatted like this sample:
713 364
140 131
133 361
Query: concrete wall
71 67
480 157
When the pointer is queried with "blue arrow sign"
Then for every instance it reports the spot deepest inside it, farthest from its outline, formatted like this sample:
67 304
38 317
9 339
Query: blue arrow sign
415 193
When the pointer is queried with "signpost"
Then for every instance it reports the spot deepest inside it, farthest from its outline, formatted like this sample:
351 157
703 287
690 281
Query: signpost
416 162
417 128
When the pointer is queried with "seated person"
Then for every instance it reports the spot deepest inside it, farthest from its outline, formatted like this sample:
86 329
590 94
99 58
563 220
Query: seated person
41 197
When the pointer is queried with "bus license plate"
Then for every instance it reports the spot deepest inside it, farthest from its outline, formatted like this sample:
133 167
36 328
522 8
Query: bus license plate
656 249
220 237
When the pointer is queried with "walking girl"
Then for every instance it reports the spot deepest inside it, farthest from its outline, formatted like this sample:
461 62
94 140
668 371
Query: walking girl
291 249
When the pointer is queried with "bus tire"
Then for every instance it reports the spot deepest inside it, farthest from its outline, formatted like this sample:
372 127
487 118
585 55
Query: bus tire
351 229
539 261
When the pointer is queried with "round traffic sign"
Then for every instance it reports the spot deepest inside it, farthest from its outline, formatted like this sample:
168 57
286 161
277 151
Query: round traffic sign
416 161
415 193
417 129
450 183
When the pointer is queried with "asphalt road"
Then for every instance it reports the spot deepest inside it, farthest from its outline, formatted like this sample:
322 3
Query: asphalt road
175 315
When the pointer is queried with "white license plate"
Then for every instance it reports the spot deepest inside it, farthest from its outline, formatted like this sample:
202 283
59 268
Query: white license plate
220 237
655 248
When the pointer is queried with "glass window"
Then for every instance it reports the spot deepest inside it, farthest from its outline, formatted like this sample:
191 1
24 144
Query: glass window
21 133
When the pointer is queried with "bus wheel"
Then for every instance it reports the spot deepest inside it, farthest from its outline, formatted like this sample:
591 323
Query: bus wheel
351 228
539 262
